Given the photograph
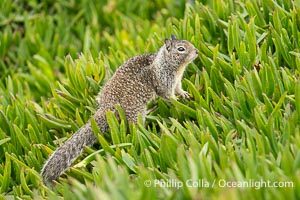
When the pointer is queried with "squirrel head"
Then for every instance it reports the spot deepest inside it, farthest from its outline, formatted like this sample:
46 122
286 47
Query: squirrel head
179 52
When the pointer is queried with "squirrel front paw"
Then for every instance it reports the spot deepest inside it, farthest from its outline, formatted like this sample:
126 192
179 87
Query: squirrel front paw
184 94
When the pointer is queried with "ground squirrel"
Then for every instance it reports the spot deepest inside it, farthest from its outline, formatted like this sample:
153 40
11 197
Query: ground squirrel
133 85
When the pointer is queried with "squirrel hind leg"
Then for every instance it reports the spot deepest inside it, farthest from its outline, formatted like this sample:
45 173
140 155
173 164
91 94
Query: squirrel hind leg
132 115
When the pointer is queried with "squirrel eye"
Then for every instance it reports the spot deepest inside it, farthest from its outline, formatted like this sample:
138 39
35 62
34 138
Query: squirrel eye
181 49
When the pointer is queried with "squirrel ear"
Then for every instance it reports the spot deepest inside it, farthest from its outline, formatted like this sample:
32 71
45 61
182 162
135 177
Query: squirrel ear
173 37
168 44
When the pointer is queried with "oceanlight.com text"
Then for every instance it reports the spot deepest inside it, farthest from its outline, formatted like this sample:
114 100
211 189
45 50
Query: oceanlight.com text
222 183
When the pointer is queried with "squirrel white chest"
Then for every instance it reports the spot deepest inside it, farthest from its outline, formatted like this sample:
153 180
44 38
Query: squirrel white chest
179 74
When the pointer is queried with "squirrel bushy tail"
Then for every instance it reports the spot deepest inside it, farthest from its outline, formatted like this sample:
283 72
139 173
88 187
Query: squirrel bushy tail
64 156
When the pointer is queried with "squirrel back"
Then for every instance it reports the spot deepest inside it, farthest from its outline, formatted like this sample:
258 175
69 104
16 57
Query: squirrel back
139 80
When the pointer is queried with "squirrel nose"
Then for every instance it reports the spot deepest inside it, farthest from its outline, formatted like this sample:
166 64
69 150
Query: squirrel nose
197 51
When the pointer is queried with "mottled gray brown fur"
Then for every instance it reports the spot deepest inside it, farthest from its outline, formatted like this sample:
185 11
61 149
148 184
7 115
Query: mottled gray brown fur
133 85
